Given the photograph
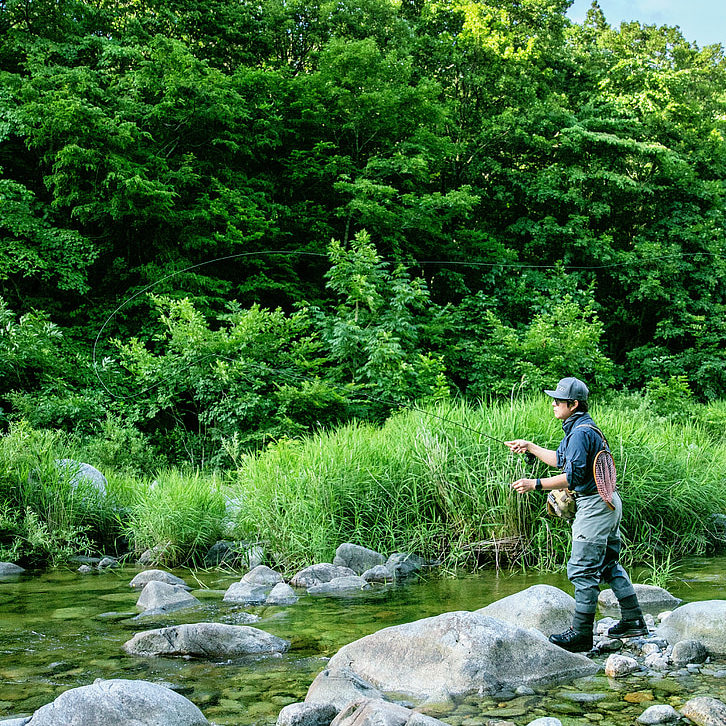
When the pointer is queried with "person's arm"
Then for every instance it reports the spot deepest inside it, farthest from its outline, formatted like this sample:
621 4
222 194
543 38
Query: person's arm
553 482
522 446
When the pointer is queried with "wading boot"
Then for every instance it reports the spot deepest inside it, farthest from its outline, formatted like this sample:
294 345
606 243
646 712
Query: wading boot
628 628
576 641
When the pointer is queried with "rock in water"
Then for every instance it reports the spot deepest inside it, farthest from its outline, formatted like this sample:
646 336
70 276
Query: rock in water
119 702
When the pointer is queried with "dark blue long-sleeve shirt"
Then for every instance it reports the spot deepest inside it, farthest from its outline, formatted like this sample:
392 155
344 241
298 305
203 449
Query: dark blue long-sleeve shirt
576 452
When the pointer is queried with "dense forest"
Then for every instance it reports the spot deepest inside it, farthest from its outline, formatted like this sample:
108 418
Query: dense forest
227 221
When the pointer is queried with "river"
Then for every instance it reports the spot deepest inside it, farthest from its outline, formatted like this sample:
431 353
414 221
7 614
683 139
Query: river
60 629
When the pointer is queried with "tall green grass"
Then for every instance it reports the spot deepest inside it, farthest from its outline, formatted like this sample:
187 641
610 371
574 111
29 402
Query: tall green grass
430 483
179 516
46 517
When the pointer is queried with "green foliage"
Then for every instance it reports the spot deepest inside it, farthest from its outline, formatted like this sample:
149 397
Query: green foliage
180 515
46 516
672 398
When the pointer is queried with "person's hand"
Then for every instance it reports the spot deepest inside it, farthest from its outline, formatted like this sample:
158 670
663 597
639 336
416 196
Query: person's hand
524 485
518 446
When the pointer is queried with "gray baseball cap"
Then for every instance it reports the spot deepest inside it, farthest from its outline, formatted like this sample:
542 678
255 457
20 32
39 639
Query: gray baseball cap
570 389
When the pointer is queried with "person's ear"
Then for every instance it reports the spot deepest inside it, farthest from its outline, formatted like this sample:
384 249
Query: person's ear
575 404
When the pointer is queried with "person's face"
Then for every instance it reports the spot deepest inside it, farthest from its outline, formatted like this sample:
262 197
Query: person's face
562 409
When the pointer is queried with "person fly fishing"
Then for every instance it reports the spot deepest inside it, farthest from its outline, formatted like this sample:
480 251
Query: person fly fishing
596 529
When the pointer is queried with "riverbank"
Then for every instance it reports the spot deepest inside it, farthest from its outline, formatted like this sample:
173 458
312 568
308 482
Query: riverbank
434 482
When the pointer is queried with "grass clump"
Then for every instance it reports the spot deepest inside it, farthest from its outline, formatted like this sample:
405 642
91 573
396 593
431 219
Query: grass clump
46 514
179 516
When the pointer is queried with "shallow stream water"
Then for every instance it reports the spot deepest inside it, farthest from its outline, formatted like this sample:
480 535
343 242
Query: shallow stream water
61 629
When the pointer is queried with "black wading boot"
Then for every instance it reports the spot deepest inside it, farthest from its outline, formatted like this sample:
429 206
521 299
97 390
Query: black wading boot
576 641
628 628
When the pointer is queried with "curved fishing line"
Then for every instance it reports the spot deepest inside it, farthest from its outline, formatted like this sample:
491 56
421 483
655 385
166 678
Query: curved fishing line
263 253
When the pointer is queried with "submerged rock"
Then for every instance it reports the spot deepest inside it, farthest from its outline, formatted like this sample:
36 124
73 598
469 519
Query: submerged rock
119 702
704 621
544 607
453 655
358 558
205 640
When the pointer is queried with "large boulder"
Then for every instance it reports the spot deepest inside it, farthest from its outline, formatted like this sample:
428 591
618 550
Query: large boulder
205 640
704 620
307 714
147 576
165 598
454 655
78 472
119 702
652 599
318 574
358 558
544 607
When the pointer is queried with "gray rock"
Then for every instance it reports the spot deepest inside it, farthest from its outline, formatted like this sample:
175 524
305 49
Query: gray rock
167 598
340 586
659 714
377 712
84 570
651 598
358 558
688 651
119 702
246 593
657 661
152 556
9 568
545 721
281 594
108 563
400 564
379 573
717 525
78 472
705 711
702 620
318 574
544 607
307 714
147 576
617 666
340 688
454 655
205 640
15 721
221 552
262 575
